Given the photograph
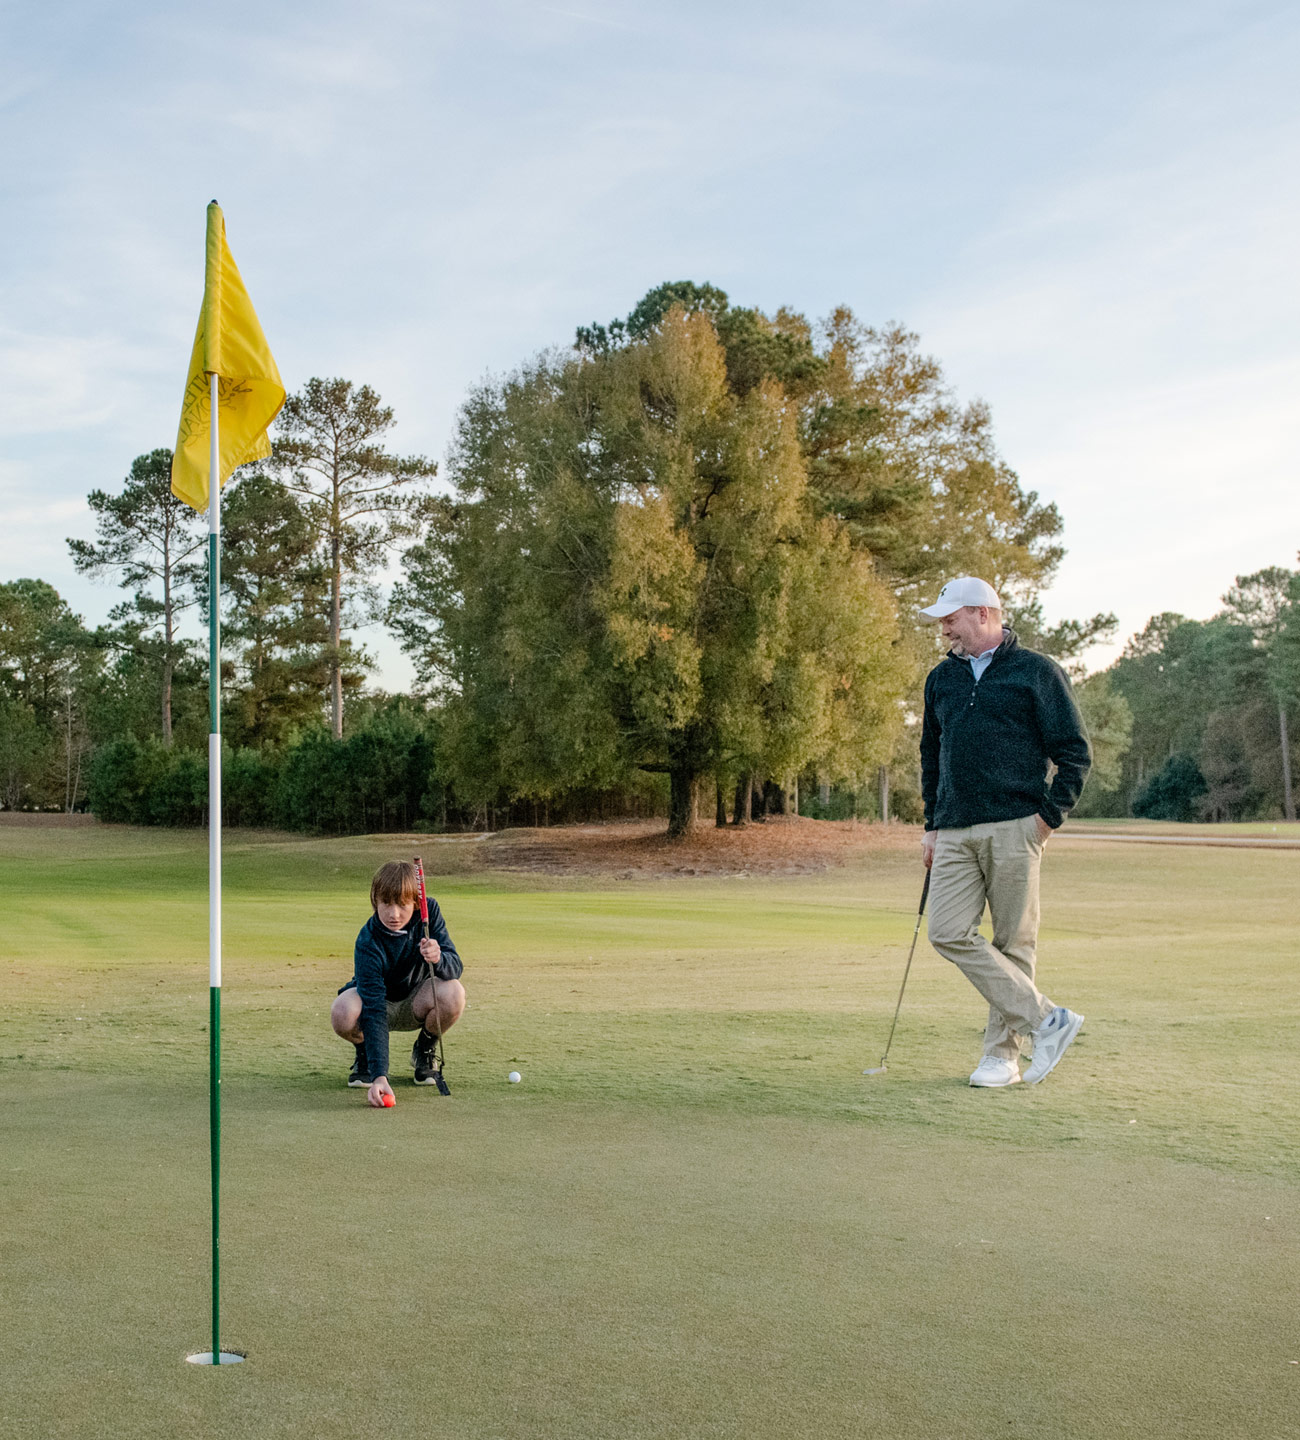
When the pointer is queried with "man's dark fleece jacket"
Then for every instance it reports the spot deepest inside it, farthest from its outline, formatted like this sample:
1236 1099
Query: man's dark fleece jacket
985 746
388 966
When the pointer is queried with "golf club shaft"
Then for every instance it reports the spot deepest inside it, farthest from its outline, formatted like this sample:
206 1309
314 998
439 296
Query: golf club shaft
907 969
433 978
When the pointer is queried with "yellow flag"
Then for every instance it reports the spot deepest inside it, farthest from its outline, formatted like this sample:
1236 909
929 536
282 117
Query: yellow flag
230 345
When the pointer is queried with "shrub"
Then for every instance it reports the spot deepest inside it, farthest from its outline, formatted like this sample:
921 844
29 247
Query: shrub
248 784
148 784
176 790
380 777
117 781
1174 792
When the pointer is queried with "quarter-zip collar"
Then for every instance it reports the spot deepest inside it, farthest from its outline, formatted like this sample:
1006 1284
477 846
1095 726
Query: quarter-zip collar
1010 642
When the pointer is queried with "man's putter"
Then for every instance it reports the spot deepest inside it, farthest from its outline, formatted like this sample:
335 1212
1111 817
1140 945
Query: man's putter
884 1059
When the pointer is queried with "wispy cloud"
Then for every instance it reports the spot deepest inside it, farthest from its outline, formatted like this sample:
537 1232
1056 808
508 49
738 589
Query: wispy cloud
1134 322
607 20
1097 237
59 383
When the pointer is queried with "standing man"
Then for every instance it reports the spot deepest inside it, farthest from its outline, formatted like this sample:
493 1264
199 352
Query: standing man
996 716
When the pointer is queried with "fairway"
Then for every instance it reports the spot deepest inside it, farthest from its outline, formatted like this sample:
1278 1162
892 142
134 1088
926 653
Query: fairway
695 1217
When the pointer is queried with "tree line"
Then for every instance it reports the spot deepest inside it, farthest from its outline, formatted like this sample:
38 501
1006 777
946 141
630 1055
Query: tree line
675 563
1211 705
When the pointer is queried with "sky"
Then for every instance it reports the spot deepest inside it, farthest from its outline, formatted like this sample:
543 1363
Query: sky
1088 212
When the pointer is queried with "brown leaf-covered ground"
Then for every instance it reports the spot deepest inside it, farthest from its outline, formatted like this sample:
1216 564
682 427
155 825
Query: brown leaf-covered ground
641 849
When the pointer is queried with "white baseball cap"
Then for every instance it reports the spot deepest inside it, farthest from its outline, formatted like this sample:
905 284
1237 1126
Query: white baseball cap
964 590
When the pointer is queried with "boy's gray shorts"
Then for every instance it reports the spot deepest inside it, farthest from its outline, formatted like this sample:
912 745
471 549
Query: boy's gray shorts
400 1014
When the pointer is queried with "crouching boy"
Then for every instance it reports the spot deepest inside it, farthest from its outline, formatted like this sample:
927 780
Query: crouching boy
392 985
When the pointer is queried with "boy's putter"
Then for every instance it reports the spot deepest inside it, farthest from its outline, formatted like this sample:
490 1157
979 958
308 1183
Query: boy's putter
884 1059
439 1057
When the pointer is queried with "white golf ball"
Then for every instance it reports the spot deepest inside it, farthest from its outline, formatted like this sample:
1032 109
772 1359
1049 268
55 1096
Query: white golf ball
514 1077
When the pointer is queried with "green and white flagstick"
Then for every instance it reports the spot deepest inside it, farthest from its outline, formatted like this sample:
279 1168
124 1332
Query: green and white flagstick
214 868
216 1356
228 345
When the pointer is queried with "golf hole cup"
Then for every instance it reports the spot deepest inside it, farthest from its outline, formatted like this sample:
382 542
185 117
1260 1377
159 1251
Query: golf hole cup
514 1077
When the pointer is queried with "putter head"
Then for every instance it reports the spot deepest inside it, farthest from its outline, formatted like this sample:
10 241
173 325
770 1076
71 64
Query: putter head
879 1069
443 1087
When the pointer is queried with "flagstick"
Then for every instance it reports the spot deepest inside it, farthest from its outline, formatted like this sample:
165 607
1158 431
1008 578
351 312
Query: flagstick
225 319
214 860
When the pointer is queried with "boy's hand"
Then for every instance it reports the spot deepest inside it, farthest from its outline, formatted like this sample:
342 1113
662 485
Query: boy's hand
380 1088
429 949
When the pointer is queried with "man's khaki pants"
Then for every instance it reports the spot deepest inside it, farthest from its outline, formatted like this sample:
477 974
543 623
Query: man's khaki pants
995 863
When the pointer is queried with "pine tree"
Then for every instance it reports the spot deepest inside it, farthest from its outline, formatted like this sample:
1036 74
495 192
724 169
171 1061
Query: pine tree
275 613
148 538
360 500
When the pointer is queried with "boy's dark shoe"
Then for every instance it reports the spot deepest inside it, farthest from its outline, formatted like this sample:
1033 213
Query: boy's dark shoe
424 1058
360 1072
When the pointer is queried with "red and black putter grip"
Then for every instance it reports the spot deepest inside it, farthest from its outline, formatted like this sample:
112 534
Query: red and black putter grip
424 901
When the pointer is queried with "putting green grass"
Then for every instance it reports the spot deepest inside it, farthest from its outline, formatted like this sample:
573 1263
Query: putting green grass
694 1217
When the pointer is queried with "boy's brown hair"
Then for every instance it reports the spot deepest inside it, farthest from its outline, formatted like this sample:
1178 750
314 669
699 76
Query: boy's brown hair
394 884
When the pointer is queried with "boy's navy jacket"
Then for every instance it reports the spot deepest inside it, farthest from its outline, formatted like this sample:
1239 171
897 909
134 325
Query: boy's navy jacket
985 746
388 966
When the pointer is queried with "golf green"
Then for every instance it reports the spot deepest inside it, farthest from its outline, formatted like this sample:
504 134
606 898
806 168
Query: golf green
695 1216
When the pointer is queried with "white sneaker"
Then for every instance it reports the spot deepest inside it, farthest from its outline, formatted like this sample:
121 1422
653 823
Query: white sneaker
993 1071
1051 1041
